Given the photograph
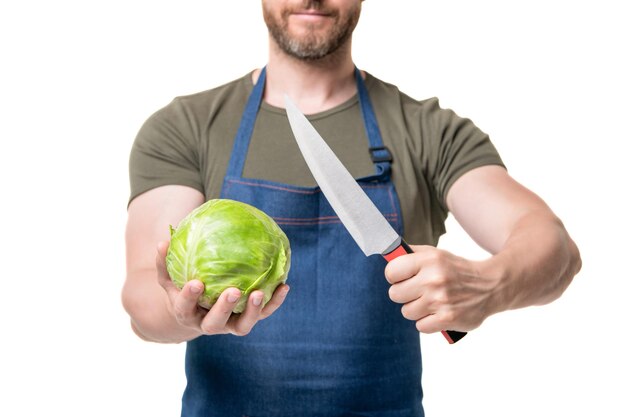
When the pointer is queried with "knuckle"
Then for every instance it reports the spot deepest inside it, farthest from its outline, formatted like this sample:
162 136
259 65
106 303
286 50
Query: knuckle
210 328
440 255
437 284
440 278
447 318
438 258
441 297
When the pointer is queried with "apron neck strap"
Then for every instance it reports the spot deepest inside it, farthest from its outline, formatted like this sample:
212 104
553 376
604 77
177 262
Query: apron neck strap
246 127
379 153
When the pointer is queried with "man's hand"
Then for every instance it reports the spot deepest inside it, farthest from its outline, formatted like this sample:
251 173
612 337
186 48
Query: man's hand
439 290
183 304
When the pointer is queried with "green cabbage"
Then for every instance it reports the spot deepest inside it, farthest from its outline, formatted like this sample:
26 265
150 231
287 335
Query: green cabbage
226 243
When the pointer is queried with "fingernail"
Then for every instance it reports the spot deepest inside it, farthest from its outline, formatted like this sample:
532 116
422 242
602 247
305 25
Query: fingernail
256 300
284 292
195 288
232 298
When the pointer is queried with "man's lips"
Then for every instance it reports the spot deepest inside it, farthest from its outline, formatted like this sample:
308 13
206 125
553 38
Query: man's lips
312 14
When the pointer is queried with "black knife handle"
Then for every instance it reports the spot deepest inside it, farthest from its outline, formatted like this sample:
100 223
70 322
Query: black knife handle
452 336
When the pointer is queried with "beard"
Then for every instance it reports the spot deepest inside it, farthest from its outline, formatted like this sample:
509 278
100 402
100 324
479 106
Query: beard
315 44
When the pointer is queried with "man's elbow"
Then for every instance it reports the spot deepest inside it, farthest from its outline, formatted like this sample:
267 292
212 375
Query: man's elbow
138 332
575 260
134 311
571 264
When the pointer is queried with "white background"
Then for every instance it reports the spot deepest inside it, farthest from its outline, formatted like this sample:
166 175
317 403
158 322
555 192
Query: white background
544 78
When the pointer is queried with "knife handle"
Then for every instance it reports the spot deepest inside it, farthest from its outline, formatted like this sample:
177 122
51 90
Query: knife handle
451 336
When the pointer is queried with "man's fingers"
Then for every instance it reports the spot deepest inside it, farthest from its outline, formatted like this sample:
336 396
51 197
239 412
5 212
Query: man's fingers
242 325
217 318
220 319
280 293
405 291
185 304
435 323
428 324
428 319
255 311
415 310
408 266
425 320
402 267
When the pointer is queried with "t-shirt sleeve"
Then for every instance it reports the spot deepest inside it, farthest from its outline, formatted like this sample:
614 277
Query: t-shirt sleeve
455 145
164 152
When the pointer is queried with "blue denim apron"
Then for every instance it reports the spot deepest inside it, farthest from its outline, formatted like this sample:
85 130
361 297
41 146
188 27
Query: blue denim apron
338 346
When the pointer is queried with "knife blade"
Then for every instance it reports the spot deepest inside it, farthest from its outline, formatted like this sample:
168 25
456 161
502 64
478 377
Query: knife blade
365 223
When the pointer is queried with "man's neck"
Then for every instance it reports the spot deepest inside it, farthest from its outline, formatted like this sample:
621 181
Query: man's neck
314 86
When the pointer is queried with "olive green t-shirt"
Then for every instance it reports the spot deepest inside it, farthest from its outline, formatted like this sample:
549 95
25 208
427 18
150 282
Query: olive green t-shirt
189 141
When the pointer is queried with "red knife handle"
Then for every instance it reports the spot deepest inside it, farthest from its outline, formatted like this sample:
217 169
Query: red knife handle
451 336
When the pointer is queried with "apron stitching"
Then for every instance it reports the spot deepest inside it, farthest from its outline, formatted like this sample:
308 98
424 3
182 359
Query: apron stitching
296 223
393 203
278 187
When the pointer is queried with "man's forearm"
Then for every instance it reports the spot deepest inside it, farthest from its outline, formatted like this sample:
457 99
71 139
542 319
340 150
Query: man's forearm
535 265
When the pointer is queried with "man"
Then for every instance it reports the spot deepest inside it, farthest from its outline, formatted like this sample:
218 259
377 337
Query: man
345 341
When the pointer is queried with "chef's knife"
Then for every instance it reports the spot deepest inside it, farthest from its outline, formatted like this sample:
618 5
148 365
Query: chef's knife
365 223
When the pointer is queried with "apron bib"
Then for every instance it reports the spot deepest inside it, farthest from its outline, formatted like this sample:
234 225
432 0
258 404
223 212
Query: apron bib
338 346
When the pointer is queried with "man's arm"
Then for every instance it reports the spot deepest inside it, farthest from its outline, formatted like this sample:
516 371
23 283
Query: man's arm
149 217
534 257
533 262
160 312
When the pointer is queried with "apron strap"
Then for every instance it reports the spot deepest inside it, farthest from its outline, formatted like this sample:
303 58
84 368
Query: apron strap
246 127
380 154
